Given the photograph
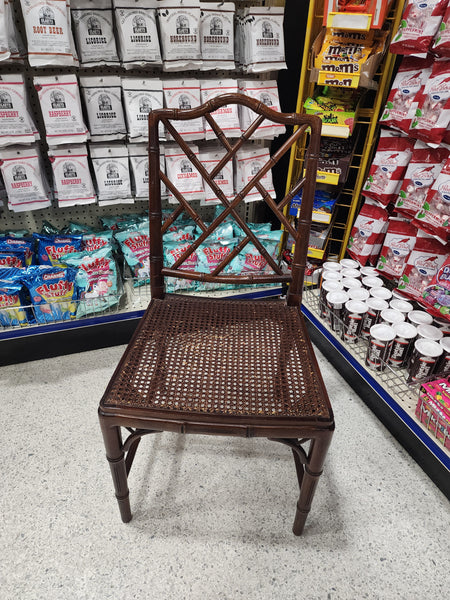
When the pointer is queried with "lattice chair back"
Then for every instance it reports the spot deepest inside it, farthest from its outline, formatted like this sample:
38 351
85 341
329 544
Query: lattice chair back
221 273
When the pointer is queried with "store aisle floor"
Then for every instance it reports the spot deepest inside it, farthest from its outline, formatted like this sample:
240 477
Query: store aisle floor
212 516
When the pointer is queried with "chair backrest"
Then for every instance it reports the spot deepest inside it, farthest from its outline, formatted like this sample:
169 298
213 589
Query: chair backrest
305 183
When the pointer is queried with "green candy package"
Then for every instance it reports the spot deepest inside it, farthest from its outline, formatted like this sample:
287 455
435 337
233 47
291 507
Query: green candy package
74 228
120 222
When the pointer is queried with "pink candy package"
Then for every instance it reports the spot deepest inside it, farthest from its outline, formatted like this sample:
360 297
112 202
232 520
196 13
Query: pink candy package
424 167
398 243
365 231
401 104
437 295
423 263
418 26
388 168
434 216
433 111
441 44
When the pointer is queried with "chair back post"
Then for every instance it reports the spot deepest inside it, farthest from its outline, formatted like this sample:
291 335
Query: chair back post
155 211
294 295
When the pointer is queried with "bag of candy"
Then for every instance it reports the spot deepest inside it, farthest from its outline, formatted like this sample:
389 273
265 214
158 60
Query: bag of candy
135 245
12 298
398 244
52 292
212 253
401 104
388 168
425 165
435 213
418 26
422 265
120 222
251 260
74 228
441 44
437 295
94 241
181 234
51 248
18 246
17 126
172 252
364 234
96 280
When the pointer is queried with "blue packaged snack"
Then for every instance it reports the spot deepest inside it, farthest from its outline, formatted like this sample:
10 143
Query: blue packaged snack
52 292
250 259
74 228
93 241
12 301
211 254
12 260
96 280
20 246
256 228
51 248
323 202
135 245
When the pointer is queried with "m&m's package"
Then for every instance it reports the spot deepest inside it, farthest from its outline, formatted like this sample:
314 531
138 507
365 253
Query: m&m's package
52 292
51 248
12 298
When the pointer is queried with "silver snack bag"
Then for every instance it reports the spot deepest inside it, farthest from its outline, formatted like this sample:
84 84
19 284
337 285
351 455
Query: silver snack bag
71 175
16 124
112 174
179 34
103 103
217 35
141 96
93 26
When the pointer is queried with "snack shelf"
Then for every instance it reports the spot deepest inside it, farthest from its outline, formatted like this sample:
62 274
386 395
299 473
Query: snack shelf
386 392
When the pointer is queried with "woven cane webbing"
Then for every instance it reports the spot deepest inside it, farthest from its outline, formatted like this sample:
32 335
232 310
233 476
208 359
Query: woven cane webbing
220 356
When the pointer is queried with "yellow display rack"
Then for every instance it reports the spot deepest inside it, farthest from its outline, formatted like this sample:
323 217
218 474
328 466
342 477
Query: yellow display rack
366 128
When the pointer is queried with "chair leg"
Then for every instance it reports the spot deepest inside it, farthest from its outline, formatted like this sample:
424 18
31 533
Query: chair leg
309 479
113 444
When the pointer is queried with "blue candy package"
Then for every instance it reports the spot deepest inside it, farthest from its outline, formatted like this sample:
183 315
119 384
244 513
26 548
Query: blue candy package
12 300
172 252
135 245
224 231
20 246
323 202
256 228
51 248
12 259
52 292
96 280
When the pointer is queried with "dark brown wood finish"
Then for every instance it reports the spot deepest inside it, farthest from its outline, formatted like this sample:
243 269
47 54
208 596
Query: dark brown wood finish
223 367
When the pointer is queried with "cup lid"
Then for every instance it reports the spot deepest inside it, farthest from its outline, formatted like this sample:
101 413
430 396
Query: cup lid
382 332
351 273
337 297
381 292
331 266
420 317
430 332
392 316
368 271
331 285
328 275
372 281
428 348
351 283
349 263
358 293
356 306
377 303
445 343
405 330
401 305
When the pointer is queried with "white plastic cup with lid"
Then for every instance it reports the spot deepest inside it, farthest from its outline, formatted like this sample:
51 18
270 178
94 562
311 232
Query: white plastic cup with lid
353 319
331 265
419 317
424 359
443 366
429 332
350 283
391 316
380 345
368 272
358 294
442 324
335 303
380 292
353 273
401 305
349 263
330 276
372 282
374 308
405 334
327 286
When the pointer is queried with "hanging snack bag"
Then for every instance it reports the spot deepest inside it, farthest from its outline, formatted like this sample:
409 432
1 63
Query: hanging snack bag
223 179
217 35
226 117
47 25
141 96
398 244
419 24
138 34
401 104
50 249
182 173
16 124
93 27
262 43
267 93
424 166
12 298
423 263
249 161
52 292
135 245
16 47
96 280
112 173
103 102
388 168
71 175
179 34
184 94
59 98
140 171
24 180
4 47
441 44
435 212
364 234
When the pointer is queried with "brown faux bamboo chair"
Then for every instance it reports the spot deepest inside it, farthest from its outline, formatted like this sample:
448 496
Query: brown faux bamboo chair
222 366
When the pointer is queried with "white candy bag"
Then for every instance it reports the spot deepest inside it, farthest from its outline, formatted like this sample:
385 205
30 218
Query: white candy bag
73 182
262 39
15 43
48 32
179 34
4 45
217 35
139 169
16 124
112 174
24 180
210 158
184 94
93 26
137 32
141 96
227 117
267 93
249 161
182 173
59 98
103 103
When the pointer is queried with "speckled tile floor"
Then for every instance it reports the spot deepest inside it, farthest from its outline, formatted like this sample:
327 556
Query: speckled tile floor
212 516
